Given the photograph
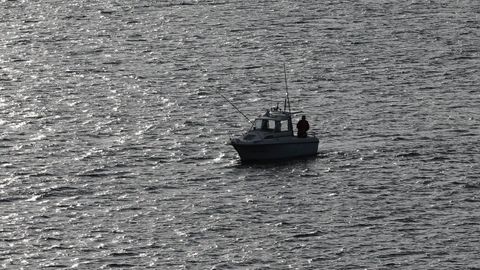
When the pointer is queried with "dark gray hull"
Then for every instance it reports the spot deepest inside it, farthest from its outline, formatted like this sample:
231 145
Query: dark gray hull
273 151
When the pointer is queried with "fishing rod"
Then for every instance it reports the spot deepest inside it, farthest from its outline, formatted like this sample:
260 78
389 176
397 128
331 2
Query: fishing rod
238 110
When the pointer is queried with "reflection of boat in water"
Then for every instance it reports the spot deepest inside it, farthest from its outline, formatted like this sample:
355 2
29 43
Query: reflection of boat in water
271 137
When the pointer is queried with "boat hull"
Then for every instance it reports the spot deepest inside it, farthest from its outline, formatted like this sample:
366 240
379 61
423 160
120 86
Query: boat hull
264 151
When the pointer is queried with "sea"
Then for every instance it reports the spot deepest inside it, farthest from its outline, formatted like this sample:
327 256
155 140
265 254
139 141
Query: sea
114 134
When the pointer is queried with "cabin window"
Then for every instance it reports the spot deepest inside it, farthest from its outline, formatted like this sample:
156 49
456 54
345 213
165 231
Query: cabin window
284 126
271 125
264 124
258 124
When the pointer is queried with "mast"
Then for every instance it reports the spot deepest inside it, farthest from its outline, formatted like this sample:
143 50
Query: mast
287 99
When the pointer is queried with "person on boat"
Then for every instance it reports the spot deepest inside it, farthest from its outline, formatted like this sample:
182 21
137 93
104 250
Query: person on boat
303 127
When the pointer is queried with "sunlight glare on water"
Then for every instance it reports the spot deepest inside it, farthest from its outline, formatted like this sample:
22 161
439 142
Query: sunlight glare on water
114 148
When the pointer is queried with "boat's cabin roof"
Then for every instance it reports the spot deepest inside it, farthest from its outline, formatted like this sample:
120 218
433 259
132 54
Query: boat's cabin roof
275 113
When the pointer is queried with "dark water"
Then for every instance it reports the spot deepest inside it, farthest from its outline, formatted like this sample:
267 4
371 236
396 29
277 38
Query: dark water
113 138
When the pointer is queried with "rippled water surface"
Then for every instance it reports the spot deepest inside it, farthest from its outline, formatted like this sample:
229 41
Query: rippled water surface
113 137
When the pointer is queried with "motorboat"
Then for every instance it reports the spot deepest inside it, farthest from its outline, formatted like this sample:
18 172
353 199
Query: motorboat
271 137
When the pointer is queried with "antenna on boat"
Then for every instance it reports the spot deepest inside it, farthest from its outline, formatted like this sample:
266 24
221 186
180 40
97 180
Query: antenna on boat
233 105
287 99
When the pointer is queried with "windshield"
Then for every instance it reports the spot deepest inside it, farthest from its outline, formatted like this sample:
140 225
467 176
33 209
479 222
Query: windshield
258 124
264 124
271 125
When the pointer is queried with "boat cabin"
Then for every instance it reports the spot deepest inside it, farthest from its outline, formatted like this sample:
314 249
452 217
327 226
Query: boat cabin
274 123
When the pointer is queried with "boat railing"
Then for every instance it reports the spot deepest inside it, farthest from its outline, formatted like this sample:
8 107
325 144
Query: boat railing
312 134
